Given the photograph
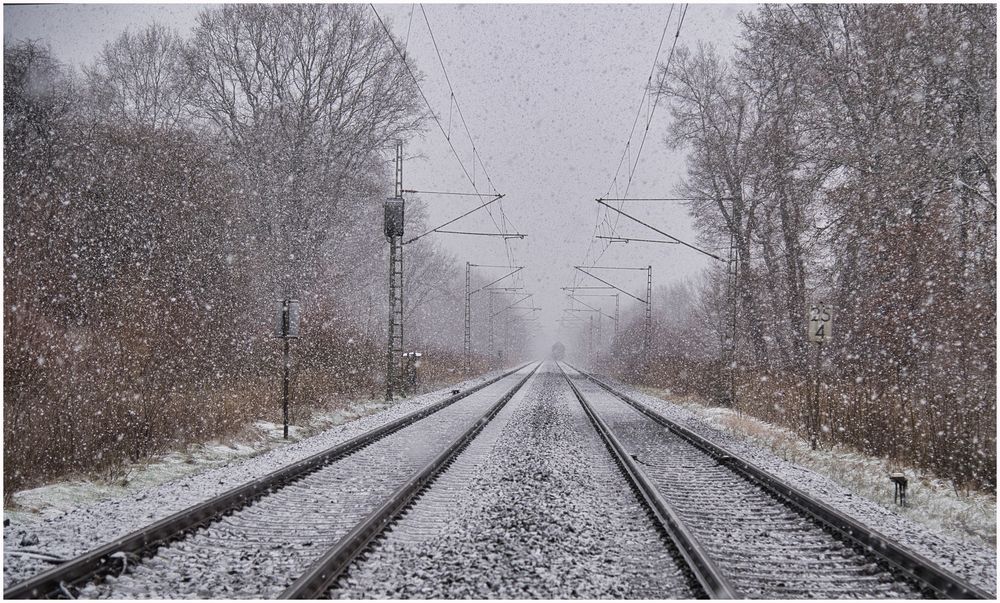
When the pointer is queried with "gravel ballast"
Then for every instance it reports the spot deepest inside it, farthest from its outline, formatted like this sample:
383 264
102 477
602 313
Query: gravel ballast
29 541
976 564
534 508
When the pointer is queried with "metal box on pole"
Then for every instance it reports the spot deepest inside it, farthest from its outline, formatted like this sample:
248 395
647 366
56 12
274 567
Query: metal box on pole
287 325
393 218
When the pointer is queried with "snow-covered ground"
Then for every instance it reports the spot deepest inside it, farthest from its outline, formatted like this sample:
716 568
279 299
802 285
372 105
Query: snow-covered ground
963 556
256 439
66 519
535 508
971 517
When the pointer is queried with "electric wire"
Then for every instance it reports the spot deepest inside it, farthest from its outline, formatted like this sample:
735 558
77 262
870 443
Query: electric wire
626 152
423 96
461 116
506 225
440 126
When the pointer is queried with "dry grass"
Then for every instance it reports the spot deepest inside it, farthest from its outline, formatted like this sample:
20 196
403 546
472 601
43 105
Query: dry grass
968 515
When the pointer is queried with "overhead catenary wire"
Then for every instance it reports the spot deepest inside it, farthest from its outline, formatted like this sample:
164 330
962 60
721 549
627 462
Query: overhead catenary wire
476 156
409 23
437 121
626 152
506 230
656 101
645 133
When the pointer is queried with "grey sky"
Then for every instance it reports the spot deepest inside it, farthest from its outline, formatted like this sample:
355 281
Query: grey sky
549 93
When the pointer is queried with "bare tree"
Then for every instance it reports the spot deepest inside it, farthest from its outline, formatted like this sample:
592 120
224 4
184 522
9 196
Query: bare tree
139 79
305 95
857 145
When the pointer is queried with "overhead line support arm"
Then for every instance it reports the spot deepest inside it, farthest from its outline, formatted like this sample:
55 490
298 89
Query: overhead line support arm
655 229
610 285
494 199
601 312
512 273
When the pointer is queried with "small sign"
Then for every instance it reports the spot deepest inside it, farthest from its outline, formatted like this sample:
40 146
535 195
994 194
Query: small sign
820 322
286 318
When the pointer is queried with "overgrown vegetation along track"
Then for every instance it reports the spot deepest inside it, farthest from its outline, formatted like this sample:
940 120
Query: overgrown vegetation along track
67 578
763 536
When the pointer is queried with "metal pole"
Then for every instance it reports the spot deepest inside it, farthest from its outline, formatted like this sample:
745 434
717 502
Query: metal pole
468 317
616 313
491 344
284 383
736 291
590 342
285 389
814 428
600 339
394 349
506 338
649 307
392 321
397 367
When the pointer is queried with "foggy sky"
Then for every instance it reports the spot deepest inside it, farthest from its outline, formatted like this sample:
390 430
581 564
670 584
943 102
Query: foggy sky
549 93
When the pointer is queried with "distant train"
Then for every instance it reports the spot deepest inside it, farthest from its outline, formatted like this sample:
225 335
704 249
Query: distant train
558 351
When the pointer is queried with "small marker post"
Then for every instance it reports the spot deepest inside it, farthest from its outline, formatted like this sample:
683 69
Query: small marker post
820 330
286 326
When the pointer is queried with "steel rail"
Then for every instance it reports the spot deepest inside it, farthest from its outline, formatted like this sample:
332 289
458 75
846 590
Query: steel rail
327 569
710 577
103 560
913 565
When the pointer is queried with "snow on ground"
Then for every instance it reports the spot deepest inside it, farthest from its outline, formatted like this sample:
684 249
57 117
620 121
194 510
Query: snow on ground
753 440
535 508
66 519
934 502
257 439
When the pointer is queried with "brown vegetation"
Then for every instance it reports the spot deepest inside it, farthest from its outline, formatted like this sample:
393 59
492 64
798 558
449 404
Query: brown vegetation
847 154
158 204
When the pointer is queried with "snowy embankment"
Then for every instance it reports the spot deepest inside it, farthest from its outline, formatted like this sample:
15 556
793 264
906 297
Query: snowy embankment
856 485
60 521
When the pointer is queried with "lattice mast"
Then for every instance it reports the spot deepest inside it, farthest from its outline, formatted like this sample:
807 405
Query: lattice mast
394 218
648 336
733 285
617 305
468 317
490 343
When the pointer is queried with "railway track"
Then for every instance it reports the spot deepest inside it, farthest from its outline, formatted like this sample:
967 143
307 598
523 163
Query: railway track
244 541
732 529
534 508
744 532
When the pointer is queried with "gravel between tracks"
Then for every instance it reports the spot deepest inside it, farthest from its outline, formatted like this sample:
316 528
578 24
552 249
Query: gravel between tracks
258 551
78 530
764 548
541 511
978 565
